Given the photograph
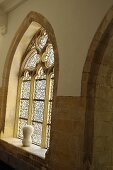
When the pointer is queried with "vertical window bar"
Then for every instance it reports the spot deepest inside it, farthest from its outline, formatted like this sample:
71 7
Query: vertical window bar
30 111
43 142
25 103
17 106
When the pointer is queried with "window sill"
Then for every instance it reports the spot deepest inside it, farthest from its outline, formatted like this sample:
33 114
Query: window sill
33 154
33 149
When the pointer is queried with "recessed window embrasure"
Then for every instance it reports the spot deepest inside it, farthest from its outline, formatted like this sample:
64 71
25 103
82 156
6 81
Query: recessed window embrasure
35 89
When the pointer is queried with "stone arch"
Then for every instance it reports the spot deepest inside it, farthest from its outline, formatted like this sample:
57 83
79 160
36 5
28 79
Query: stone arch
97 89
27 29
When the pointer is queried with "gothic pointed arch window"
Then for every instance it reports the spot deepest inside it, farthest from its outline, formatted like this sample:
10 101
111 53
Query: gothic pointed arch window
35 89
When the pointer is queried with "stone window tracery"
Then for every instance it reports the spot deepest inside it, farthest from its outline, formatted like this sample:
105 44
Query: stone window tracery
35 89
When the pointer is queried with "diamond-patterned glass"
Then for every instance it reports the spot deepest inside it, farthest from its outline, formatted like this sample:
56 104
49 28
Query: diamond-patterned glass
41 41
36 137
36 102
49 112
48 136
32 61
48 56
38 110
24 105
40 86
25 89
21 124
51 89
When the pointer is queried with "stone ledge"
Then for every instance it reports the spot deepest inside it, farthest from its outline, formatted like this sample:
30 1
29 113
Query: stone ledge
33 155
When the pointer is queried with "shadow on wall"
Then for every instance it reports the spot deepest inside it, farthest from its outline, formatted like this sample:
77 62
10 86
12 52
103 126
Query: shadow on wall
97 87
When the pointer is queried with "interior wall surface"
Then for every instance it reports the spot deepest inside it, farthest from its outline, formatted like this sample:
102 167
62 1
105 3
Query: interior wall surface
74 22
97 83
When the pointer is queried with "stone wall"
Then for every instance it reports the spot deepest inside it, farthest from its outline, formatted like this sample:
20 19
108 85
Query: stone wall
19 159
97 86
67 140
67 134
82 127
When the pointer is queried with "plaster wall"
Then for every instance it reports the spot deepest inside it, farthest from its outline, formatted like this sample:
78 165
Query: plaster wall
74 22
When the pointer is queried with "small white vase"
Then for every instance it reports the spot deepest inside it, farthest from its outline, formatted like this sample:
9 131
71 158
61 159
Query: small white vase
27 132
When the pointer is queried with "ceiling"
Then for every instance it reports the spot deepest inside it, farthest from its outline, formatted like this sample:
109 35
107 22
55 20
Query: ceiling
9 5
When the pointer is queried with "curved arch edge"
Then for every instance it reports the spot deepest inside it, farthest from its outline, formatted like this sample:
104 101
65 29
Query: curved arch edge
31 17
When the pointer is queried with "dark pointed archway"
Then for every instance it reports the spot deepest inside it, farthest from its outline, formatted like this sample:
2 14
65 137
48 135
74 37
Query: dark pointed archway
97 89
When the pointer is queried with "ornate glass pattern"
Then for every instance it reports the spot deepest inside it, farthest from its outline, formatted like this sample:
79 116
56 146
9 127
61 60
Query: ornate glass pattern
38 109
24 105
36 137
21 124
32 61
41 41
48 56
51 89
48 136
25 89
36 94
40 86
49 112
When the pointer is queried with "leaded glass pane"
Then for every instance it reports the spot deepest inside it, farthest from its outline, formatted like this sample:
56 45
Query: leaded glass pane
36 137
39 98
48 56
48 136
32 61
49 112
40 86
51 89
21 124
38 109
24 104
41 41
25 89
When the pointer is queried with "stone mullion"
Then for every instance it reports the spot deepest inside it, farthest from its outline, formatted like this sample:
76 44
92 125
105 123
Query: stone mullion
17 106
45 115
30 110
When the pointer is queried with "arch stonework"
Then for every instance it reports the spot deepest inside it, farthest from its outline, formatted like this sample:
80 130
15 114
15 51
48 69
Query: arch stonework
30 18
97 89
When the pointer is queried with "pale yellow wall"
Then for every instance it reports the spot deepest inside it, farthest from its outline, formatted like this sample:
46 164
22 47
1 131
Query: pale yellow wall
74 23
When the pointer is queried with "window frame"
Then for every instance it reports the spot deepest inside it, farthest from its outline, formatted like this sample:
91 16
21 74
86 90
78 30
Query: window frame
49 72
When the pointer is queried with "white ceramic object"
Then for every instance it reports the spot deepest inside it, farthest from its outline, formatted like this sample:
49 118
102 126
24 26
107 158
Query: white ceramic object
27 132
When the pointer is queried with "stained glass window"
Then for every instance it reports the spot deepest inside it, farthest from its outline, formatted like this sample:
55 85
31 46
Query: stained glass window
21 124
38 110
24 105
42 40
25 89
48 136
51 89
40 86
48 55
36 137
36 83
32 61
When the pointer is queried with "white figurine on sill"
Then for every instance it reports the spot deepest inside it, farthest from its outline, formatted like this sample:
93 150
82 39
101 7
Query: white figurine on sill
27 132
